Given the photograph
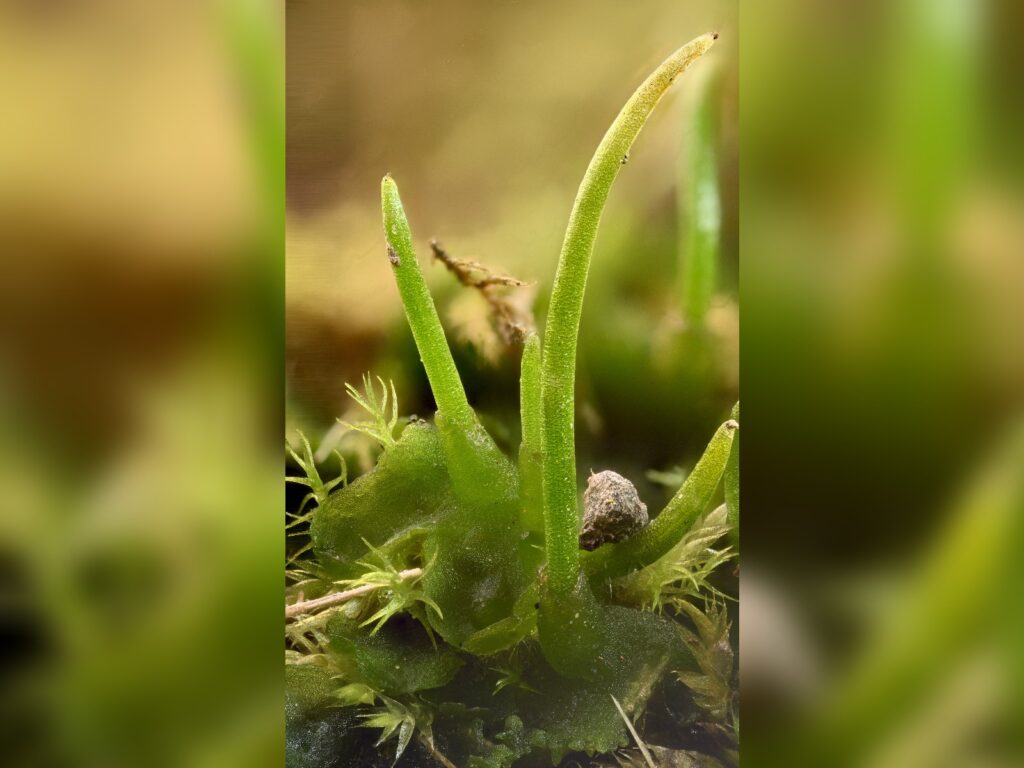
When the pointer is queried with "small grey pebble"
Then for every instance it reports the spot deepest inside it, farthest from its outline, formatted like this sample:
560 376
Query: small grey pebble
612 510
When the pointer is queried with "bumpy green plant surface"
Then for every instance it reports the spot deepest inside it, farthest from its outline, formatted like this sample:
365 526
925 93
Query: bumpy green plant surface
443 602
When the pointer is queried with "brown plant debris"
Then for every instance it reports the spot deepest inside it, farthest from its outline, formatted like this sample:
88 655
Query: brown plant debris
511 318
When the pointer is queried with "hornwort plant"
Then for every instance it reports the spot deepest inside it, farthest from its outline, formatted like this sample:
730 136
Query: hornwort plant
446 597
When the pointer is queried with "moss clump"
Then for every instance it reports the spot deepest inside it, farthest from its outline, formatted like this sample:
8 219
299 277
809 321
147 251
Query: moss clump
470 624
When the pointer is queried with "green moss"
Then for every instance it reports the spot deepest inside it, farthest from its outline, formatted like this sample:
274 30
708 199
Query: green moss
398 659
409 488
530 647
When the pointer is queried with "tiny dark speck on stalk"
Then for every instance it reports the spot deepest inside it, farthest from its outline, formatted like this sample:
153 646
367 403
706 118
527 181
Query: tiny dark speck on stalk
393 257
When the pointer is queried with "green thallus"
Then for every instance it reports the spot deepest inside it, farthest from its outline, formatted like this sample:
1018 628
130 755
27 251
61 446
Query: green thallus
547 467
447 533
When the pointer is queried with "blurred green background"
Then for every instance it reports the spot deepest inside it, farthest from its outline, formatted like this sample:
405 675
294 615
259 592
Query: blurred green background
883 374
141 212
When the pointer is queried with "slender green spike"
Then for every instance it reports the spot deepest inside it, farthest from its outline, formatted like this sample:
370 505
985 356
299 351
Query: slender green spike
664 532
700 211
731 482
530 448
558 364
529 394
437 359
480 473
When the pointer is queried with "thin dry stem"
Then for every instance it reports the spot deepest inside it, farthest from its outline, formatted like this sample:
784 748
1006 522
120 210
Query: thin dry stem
636 736
337 598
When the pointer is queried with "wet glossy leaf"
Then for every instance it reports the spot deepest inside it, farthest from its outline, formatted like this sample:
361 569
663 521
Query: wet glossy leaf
408 488
307 688
399 659
578 715
478 571
509 631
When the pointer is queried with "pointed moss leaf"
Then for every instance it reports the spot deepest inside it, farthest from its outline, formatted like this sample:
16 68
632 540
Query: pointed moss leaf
685 570
382 427
399 659
355 693
405 732
409 488
709 678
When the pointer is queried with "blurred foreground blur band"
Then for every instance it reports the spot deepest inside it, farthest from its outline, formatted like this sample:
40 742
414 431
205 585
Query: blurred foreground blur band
881 253
141 231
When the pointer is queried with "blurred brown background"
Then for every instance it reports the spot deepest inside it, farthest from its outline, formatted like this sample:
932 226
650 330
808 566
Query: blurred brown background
141 233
